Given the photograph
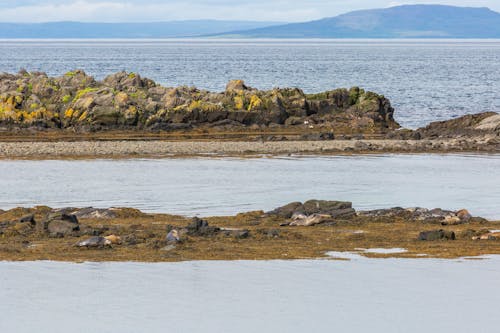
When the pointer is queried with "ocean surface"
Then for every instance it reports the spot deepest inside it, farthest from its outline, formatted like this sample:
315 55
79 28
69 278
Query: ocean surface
426 80
226 186
361 295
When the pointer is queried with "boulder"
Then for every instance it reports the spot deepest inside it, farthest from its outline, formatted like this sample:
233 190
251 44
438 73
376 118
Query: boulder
28 219
288 210
94 213
434 235
59 224
199 227
335 209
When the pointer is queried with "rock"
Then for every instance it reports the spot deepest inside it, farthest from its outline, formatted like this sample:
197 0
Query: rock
59 224
199 227
94 213
491 123
60 228
28 219
472 124
333 208
94 242
288 210
236 233
60 215
124 100
435 235
235 86
336 209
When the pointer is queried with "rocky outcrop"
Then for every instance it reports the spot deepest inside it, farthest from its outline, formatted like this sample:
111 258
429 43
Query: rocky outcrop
315 212
468 125
335 209
418 214
128 101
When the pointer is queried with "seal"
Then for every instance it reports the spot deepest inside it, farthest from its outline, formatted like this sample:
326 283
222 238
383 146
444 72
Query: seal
173 236
114 239
96 242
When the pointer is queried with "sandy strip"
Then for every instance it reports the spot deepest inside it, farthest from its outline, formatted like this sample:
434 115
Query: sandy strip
128 149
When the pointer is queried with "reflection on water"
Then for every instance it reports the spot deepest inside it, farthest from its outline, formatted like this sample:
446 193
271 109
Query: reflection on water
227 186
361 295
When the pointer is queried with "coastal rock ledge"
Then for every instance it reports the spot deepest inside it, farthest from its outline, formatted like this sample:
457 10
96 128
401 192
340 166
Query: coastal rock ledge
126 101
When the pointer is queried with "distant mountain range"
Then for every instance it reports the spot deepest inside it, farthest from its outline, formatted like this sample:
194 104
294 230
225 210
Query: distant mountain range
171 29
408 21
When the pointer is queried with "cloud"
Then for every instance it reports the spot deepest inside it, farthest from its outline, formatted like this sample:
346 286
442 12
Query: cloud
166 10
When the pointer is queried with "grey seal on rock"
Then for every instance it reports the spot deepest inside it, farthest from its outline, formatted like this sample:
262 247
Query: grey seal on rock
173 236
96 241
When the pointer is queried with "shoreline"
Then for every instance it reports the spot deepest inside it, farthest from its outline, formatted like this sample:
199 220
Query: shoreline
121 149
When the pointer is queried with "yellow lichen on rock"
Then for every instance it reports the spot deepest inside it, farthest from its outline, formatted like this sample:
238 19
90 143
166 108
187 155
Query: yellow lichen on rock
83 116
255 103
121 98
69 113
239 102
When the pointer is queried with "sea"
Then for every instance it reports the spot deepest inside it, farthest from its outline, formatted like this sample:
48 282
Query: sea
426 80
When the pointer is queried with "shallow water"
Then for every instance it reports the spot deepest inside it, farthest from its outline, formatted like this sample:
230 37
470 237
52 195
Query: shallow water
426 80
227 186
361 295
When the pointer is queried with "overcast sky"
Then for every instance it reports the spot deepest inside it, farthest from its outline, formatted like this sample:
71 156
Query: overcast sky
165 10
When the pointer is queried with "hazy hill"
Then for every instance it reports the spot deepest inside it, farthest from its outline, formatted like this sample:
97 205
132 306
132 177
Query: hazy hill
124 30
409 21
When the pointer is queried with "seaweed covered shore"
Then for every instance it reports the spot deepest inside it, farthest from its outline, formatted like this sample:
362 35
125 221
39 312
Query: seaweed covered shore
294 231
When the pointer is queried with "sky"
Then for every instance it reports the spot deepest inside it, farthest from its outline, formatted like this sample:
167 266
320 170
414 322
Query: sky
167 10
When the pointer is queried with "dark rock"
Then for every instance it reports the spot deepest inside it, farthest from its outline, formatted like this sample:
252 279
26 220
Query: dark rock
435 235
94 213
461 126
334 208
288 210
199 227
28 219
60 228
59 224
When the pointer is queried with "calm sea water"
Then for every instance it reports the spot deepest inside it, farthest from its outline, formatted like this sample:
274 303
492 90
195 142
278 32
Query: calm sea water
228 186
426 80
362 295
